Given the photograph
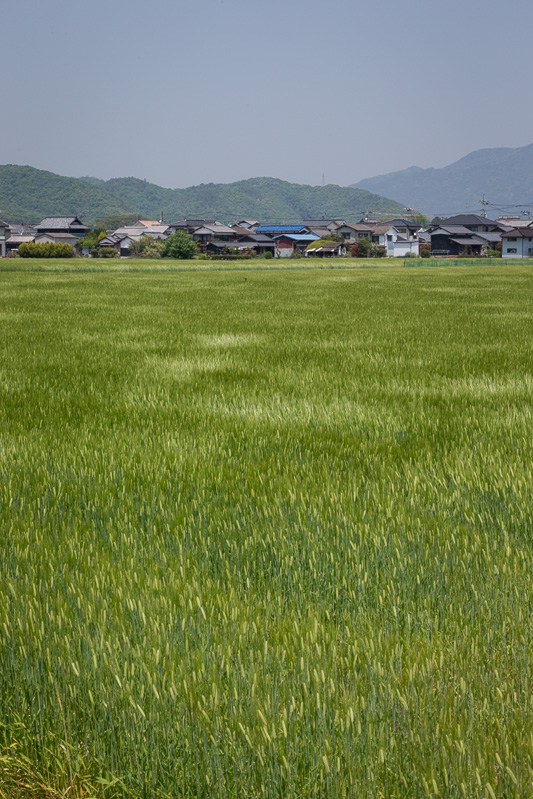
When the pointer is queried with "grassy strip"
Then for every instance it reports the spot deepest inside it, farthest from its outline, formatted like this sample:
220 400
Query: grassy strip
255 264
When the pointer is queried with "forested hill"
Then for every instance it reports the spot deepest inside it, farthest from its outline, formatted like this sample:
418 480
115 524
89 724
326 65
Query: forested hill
503 174
256 198
28 195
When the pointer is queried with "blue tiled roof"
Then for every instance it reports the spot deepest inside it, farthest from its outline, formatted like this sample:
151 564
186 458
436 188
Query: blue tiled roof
283 228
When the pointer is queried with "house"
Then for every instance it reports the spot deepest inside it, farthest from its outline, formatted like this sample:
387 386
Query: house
214 232
249 224
62 224
518 242
456 240
405 228
4 235
19 234
356 232
396 245
287 244
190 225
122 238
514 221
221 247
56 238
259 242
473 222
281 230
325 249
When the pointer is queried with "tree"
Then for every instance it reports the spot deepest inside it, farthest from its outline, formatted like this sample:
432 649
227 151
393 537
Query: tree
114 221
90 240
147 247
179 245
363 248
420 220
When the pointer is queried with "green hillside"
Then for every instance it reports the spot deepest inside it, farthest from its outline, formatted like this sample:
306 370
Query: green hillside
257 198
28 195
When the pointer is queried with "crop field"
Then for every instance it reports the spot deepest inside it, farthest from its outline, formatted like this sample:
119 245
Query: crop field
266 534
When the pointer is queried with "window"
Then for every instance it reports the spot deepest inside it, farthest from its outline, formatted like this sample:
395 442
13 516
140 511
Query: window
511 249
509 239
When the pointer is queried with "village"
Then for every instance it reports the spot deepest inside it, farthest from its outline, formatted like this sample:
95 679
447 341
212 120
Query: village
462 235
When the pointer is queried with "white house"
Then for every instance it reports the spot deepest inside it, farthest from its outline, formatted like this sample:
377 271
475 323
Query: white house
397 246
518 242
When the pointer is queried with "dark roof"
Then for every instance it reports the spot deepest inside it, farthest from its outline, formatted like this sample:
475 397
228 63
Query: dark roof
4 224
468 240
194 223
259 238
518 232
468 219
453 230
400 222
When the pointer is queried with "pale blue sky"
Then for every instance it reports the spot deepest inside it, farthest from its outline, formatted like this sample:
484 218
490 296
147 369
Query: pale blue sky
222 90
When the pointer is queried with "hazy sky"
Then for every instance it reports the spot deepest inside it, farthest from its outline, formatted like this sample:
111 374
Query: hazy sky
182 93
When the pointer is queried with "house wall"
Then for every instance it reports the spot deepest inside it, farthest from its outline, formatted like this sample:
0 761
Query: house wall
284 248
440 242
54 238
523 248
401 248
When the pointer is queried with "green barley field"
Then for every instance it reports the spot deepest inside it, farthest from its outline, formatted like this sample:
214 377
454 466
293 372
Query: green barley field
266 534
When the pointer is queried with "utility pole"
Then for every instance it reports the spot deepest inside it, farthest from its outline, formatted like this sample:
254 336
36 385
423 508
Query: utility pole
484 204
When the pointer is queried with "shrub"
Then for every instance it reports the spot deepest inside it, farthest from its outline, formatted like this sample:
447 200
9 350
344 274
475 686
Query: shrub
45 250
147 247
268 254
107 252
425 252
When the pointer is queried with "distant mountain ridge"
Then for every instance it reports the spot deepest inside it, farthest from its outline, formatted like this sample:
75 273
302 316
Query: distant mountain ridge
28 195
504 175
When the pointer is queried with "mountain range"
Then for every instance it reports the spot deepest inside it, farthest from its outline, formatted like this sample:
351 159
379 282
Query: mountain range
28 195
502 175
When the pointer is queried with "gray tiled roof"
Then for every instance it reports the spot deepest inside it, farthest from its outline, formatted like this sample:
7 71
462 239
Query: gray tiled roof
18 229
61 222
